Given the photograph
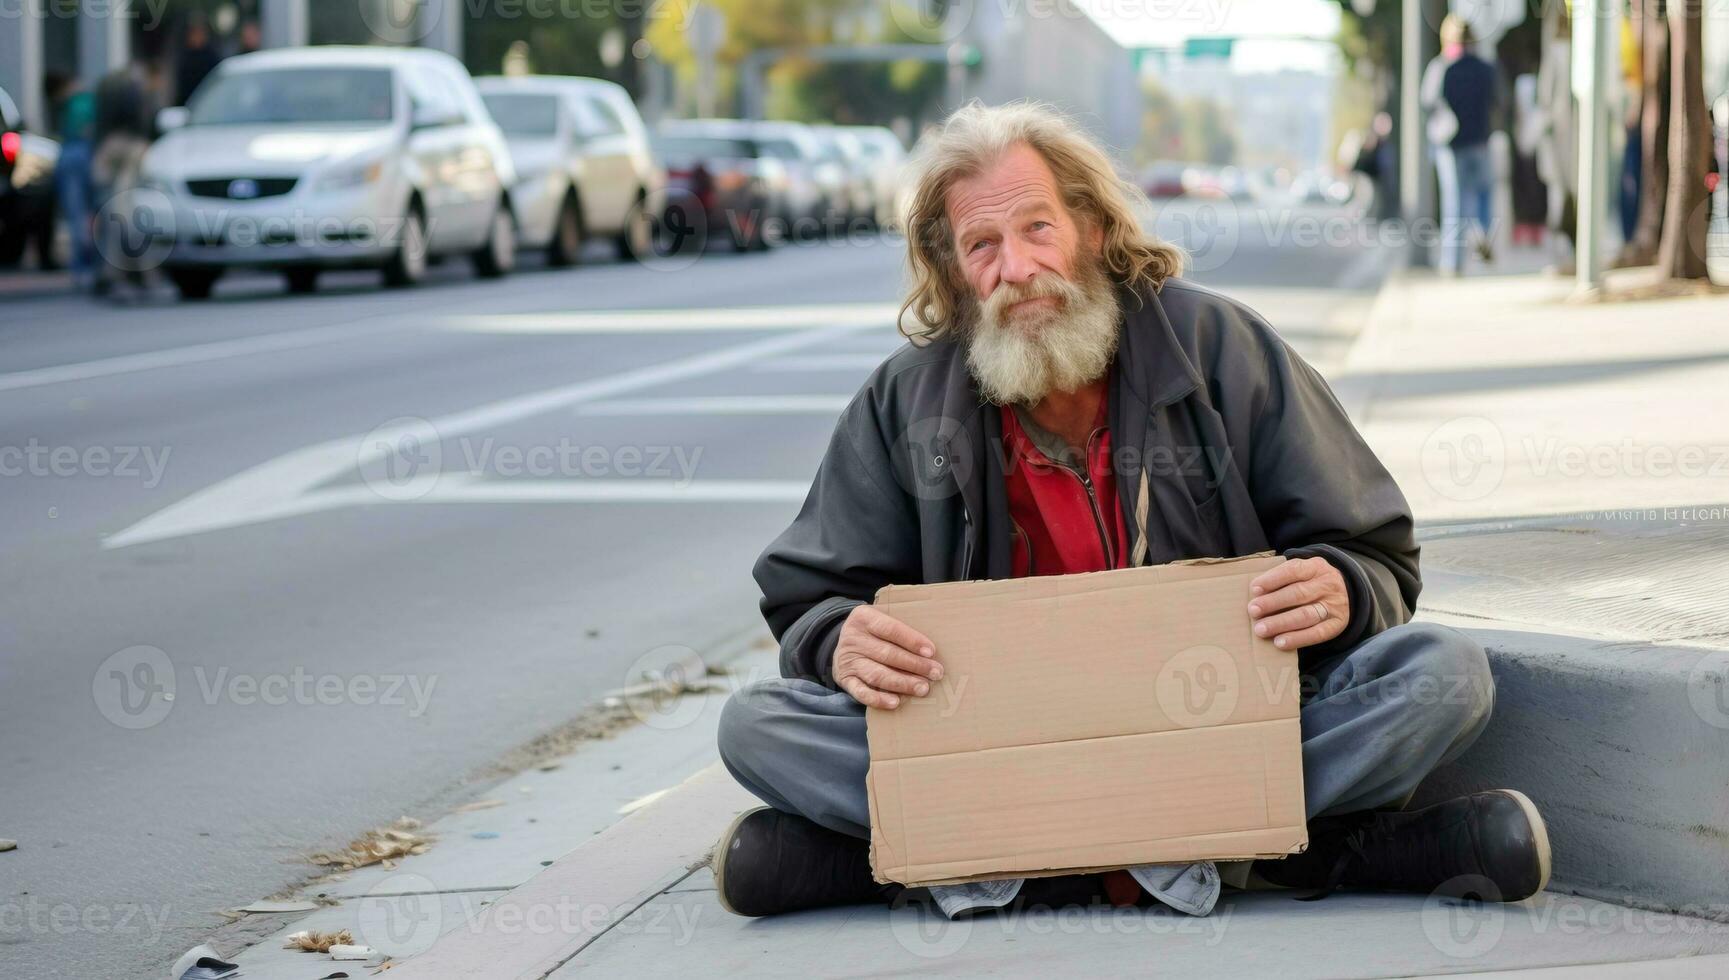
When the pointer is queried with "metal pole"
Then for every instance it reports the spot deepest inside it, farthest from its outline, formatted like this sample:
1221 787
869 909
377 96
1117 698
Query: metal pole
104 40
1410 111
1594 34
283 23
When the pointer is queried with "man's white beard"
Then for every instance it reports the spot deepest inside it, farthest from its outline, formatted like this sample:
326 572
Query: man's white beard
1021 356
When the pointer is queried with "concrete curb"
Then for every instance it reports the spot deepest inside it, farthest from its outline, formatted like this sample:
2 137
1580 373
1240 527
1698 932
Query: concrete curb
1625 748
612 876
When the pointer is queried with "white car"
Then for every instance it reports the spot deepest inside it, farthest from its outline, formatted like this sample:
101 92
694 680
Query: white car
305 159
584 166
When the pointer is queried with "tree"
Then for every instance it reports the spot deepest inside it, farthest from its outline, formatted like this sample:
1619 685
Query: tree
1681 251
1654 91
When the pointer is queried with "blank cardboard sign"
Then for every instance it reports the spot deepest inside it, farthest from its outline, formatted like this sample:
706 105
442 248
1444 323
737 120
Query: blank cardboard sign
1087 722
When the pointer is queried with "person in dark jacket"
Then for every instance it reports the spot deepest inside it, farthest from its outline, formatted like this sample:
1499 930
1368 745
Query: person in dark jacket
1462 94
1048 330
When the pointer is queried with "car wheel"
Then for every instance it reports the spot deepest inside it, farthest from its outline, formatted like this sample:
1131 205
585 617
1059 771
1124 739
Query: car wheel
636 241
408 265
498 256
566 246
194 284
302 280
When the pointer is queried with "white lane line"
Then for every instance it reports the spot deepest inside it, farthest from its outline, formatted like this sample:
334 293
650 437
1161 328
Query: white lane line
822 362
692 319
462 488
289 485
721 405
196 354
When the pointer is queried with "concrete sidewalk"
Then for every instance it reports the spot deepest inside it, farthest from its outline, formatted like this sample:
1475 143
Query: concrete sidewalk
1564 460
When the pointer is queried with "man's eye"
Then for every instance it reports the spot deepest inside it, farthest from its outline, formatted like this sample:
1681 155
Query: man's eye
1040 225
975 246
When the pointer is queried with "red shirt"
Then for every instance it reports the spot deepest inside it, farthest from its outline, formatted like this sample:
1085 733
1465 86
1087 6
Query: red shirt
1061 524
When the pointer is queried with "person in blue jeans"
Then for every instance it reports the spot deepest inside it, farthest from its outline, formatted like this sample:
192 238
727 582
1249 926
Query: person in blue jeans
72 182
1462 93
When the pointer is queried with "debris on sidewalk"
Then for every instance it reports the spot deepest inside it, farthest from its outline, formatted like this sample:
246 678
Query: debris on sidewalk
202 963
317 942
7 845
383 846
478 805
271 908
349 951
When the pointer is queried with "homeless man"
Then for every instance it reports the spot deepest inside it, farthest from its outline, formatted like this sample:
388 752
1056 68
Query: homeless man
1070 404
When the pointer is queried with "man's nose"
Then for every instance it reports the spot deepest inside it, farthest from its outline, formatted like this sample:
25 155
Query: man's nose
1016 262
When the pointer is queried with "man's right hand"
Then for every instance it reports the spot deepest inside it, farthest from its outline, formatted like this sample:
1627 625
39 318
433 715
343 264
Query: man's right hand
878 659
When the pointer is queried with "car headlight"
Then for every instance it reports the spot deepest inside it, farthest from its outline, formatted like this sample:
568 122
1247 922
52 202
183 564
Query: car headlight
352 175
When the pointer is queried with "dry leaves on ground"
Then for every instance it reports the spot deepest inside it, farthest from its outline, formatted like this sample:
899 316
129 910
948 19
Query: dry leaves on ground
318 942
383 845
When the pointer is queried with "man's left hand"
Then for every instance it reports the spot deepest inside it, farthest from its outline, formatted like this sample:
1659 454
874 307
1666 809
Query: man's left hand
1300 603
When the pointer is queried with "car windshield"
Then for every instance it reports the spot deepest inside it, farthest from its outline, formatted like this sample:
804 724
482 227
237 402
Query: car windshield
523 114
704 147
288 96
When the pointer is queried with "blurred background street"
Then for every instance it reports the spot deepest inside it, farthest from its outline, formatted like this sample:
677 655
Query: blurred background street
383 383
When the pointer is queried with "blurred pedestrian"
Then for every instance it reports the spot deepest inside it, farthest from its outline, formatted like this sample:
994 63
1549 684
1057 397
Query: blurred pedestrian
251 37
1557 157
77 132
1461 94
198 58
127 100
1530 197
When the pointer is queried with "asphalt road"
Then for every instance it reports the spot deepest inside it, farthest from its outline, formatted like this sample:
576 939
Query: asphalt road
369 541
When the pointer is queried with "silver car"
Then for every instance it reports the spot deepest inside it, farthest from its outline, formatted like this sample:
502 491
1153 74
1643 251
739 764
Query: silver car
305 159
584 166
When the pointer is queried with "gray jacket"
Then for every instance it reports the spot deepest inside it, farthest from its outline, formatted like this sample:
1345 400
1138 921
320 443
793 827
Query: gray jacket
1224 443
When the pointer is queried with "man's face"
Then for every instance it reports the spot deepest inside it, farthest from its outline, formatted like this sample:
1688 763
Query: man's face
1044 315
1011 227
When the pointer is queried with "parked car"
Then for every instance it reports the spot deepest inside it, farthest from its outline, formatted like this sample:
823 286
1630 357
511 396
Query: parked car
26 189
305 159
584 163
856 193
720 167
813 180
885 157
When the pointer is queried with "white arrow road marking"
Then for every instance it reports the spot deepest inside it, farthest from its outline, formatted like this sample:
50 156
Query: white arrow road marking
822 362
292 484
721 405
197 353
696 319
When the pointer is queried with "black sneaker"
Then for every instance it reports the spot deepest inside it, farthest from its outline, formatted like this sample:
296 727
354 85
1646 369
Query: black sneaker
768 862
1491 846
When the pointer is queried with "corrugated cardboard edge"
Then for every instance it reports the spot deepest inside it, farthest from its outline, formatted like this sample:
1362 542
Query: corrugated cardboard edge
885 866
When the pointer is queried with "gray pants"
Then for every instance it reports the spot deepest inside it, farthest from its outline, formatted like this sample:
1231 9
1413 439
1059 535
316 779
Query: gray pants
1375 719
